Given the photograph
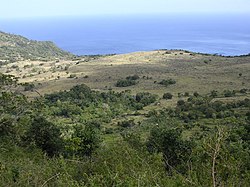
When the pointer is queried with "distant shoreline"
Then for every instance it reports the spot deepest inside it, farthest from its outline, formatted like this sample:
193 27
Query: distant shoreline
172 50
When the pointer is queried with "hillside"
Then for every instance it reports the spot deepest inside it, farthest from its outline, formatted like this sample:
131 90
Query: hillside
156 118
192 71
14 48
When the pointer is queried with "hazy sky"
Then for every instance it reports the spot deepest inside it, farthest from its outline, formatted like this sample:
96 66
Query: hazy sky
48 8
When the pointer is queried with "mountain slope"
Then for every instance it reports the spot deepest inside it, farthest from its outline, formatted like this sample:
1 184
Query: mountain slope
14 48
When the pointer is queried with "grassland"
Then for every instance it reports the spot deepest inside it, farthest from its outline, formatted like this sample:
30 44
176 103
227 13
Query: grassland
192 72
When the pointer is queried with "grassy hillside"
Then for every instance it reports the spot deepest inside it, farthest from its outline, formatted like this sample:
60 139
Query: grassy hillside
14 48
192 72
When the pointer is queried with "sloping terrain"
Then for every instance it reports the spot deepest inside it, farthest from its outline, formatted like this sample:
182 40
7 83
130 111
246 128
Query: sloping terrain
192 72
141 119
14 48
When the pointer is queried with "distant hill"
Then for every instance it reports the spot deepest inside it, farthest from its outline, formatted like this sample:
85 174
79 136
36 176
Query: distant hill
14 48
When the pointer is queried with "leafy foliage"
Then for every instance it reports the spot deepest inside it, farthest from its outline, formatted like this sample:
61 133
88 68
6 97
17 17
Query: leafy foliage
46 136
84 141
169 142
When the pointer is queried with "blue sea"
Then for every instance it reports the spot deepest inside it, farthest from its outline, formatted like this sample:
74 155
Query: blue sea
214 34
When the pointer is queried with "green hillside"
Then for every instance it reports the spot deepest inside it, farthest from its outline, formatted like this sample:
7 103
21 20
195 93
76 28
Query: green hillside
14 48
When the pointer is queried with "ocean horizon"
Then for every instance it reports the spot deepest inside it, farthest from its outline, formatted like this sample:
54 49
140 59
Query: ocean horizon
227 35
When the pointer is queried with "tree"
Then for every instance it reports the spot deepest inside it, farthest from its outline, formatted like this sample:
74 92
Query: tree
175 150
46 136
84 141
13 105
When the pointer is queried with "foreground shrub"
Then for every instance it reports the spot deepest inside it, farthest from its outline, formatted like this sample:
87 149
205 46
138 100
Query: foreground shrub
175 150
84 141
46 136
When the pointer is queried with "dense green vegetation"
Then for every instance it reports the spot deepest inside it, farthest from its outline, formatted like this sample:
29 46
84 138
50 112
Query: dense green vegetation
83 137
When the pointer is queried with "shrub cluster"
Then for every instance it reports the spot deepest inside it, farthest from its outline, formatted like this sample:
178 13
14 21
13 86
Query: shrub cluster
167 82
129 81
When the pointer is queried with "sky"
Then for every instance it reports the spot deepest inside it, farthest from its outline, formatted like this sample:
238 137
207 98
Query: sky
56 8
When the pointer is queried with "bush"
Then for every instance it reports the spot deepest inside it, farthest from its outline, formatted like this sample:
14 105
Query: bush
125 83
214 94
167 82
145 98
228 93
196 94
6 126
72 76
133 77
243 91
180 103
167 96
186 94
126 124
28 86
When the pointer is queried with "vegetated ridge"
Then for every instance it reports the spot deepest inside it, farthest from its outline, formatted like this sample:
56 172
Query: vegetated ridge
14 48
